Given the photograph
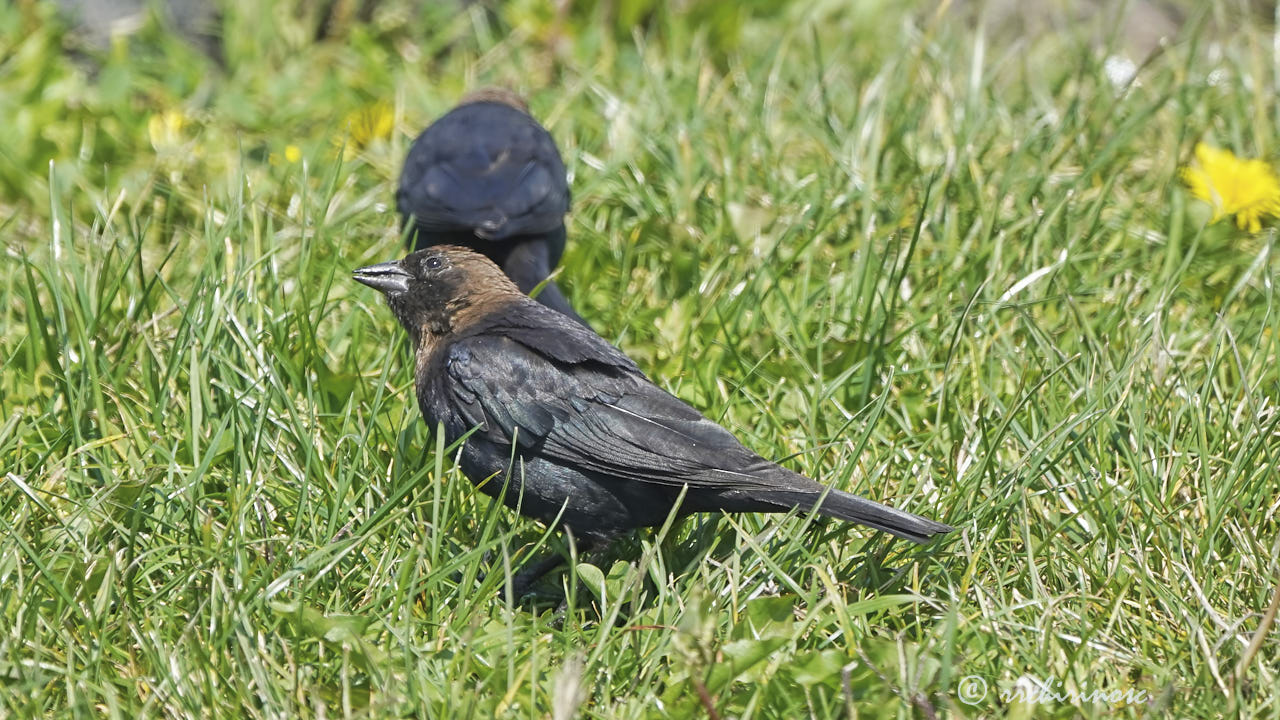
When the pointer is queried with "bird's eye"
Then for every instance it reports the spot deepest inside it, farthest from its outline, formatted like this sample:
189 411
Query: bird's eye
434 263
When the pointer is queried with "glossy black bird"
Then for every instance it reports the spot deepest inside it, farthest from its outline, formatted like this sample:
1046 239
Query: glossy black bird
594 442
488 177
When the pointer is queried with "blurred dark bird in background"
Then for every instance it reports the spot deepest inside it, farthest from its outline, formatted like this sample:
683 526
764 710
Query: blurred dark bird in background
594 442
487 176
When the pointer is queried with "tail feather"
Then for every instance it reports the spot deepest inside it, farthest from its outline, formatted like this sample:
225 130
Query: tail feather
846 506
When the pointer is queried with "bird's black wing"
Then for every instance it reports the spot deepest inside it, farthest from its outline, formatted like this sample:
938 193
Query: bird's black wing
594 414
485 168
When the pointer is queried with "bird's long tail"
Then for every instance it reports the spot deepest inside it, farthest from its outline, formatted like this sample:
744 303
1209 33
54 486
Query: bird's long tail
846 506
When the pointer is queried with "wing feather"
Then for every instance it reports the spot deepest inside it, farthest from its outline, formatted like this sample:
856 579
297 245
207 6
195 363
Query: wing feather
600 417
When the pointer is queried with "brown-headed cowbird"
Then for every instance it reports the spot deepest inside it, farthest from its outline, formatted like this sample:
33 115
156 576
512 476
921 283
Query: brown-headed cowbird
488 177
568 424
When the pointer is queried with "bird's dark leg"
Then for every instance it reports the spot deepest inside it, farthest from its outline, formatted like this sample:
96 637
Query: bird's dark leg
522 581
528 264
532 572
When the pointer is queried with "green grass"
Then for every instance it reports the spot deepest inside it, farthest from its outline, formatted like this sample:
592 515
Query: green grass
952 271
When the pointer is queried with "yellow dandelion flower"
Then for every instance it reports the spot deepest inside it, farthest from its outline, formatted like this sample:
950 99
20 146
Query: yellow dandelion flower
371 123
165 129
1248 189
292 155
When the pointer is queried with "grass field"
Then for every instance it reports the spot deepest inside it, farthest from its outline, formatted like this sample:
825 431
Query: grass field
954 271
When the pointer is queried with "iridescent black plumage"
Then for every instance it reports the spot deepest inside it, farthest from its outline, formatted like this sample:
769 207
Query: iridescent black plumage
489 177
595 443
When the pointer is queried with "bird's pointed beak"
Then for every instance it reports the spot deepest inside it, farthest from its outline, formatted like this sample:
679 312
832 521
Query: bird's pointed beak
387 277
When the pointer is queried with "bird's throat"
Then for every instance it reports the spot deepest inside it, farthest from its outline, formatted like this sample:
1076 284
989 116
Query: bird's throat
426 343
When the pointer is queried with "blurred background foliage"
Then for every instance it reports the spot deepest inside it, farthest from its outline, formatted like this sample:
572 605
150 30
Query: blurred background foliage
80 79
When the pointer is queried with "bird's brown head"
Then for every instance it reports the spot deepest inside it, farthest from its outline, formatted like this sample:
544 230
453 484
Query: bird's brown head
499 95
441 289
